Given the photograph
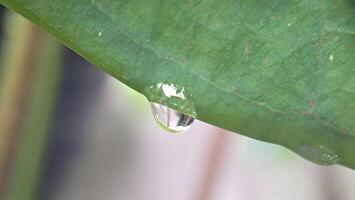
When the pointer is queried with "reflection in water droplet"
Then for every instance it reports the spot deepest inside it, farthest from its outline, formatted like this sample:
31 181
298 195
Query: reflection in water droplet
319 154
175 96
331 57
170 90
171 120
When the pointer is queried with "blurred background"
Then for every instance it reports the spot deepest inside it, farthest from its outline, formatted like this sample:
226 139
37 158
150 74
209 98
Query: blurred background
70 132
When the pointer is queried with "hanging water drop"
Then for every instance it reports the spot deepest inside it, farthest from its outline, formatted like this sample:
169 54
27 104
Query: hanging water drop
175 96
319 154
171 120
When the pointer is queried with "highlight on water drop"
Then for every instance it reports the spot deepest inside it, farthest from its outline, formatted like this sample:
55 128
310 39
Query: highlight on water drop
166 117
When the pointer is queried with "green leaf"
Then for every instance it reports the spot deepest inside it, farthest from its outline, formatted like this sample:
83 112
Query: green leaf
278 71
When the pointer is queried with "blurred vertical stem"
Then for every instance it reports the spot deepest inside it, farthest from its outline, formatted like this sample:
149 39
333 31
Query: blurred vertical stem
31 77
216 152
15 77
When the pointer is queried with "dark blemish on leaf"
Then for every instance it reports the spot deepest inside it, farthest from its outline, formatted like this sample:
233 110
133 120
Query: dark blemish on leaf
312 104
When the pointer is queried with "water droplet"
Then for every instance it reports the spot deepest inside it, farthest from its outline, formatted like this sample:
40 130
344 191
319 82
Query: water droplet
319 154
171 120
100 32
331 57
171 98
